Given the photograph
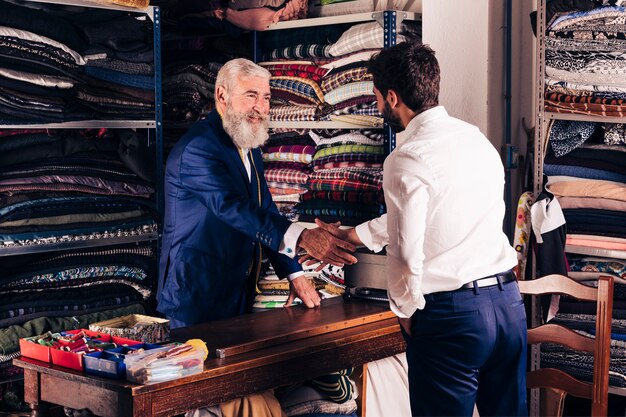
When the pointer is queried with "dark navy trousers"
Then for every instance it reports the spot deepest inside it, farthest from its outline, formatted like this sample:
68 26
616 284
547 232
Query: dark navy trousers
469 346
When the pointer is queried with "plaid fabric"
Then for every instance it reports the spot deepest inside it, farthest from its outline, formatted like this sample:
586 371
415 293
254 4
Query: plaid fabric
348 91
369 175
293 188
293 113
341 185
370 109
324 134
296 70
358 119
354 101
344 77
359 37
290 176
364 197
347 164
274 191
299 149
288 165
349 158
298 86
350 148
299 51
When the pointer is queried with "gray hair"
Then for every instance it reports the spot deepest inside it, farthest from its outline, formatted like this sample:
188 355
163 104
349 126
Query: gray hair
239 67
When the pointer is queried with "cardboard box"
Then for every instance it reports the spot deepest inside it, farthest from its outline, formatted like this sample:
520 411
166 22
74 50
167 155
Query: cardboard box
135 326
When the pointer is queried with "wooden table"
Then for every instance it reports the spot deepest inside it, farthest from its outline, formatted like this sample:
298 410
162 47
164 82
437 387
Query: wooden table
260 351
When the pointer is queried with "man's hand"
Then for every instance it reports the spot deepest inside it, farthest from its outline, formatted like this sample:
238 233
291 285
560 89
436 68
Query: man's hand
346 235
405 323
301 288
321 244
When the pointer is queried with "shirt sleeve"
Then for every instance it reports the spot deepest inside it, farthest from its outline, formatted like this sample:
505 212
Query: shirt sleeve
407 198
288 244
295 275
373 233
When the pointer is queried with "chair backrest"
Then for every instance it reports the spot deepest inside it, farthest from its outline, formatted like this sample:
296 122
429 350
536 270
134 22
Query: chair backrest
556 380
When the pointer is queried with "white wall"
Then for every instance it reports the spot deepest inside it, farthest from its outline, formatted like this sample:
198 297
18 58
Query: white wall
468 37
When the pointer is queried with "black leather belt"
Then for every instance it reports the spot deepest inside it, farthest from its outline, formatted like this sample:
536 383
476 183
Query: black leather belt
491 280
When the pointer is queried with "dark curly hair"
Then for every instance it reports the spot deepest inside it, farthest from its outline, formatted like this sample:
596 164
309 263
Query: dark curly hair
411 70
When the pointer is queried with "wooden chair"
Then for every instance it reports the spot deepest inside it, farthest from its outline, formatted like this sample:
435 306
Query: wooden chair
558 384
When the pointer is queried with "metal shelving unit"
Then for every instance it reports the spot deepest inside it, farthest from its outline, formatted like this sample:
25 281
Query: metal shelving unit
543 120
388 19
154 126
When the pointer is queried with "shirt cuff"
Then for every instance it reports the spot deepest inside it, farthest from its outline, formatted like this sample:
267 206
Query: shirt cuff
288 245
371 234
295 275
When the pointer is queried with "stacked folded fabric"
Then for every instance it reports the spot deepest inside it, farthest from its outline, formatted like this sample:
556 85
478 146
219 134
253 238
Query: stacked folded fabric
287 156
346 182
72 185
321 74
587 175
586 62
580 364
74 66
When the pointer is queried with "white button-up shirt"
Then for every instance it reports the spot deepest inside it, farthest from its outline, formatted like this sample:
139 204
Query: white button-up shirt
444 189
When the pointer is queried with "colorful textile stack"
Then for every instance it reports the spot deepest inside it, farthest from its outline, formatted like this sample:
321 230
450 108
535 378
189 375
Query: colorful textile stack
287 156
82 64
586 62
273 291
346 182
321 74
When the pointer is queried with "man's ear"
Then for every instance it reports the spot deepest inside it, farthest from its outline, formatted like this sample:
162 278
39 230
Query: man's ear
393 98
220 94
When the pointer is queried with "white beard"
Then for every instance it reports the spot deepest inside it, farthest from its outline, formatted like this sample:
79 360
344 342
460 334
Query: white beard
243 133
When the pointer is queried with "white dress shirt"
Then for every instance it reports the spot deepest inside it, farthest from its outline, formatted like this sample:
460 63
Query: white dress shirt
443 228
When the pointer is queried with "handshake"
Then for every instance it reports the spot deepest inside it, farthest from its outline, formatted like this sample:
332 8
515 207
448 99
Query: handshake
329 244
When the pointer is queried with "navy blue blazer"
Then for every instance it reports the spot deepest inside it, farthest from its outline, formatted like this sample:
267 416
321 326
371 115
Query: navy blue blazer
213 224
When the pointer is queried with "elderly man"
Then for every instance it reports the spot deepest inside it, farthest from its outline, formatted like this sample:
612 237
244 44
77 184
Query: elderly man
219 212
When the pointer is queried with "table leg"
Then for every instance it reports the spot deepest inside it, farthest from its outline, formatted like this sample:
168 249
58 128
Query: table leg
31 394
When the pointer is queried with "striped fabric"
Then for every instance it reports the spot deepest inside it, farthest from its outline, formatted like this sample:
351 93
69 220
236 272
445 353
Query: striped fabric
287 156
349 158
288 165
341 185
285 191
293 113
349 148
303 149
299 51
347 164
358 119
369 109
344 77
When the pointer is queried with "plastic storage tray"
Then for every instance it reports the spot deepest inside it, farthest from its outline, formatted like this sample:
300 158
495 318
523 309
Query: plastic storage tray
145 368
